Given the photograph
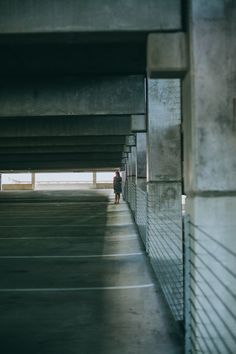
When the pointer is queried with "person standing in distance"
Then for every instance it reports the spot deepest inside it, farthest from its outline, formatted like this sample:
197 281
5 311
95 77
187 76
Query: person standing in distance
117 186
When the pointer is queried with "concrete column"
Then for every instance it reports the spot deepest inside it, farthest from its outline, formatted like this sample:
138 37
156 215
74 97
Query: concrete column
130 176
141 184
0 181
164 233
141 161
209 102
134 179
123 175
33 181
94 179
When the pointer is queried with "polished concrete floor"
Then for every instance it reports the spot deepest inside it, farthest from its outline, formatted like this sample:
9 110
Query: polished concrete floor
75 279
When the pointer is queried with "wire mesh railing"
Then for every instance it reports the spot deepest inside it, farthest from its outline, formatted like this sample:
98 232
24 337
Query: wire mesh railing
165 247
125 190
141 212
131 194
161 231
210 292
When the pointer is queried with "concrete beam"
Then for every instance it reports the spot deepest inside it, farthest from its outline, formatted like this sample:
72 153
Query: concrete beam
65 126
33 16
40 141
86 156
138 123
68 96
166 55
44 166
130 140
63 149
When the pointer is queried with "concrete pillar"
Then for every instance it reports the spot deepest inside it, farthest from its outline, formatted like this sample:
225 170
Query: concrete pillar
141 184
141 153
94 179
129 176
33 181
164 233
133 179
209 102
0 181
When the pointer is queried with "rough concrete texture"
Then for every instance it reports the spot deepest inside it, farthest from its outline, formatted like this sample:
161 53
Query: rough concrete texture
164 120
209 91
39 141
62 149
29 16
72 96
138 123
130 140
166 55
48 240
57 126
72 165
213 275
141 146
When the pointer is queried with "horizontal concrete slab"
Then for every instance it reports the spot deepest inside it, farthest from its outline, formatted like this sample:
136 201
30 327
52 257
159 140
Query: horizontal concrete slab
38 58
65 126
79 157
62 141
72 95
62 149
59 166
79 16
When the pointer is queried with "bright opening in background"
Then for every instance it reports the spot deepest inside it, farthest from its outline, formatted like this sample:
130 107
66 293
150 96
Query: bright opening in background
57 181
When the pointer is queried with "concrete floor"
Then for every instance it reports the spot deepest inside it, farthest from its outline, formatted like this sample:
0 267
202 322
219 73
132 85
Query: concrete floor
75 279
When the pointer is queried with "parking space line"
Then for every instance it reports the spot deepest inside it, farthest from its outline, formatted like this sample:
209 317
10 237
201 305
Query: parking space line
64 225
75 256
122 287
106 238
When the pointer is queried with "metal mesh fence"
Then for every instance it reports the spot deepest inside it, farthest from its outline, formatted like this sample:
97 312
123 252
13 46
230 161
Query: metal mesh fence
164 245
210 293
131 194
141 212
125 190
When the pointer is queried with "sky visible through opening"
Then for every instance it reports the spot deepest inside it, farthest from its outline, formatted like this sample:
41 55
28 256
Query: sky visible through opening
69 177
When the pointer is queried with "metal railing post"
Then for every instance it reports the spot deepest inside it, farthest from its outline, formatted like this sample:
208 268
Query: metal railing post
187 271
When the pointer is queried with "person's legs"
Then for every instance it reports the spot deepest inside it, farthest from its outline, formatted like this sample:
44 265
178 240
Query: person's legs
118 198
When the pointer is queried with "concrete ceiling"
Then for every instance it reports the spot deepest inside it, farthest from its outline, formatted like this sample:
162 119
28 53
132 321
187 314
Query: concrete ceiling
72 75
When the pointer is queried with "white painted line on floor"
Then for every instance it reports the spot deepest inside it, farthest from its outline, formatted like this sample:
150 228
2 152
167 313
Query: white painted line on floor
124 287
106 238
66 225
76 256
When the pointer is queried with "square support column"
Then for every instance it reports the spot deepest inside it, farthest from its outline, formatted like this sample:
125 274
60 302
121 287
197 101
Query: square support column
164 232
33 181
141 184
209 102
132 179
